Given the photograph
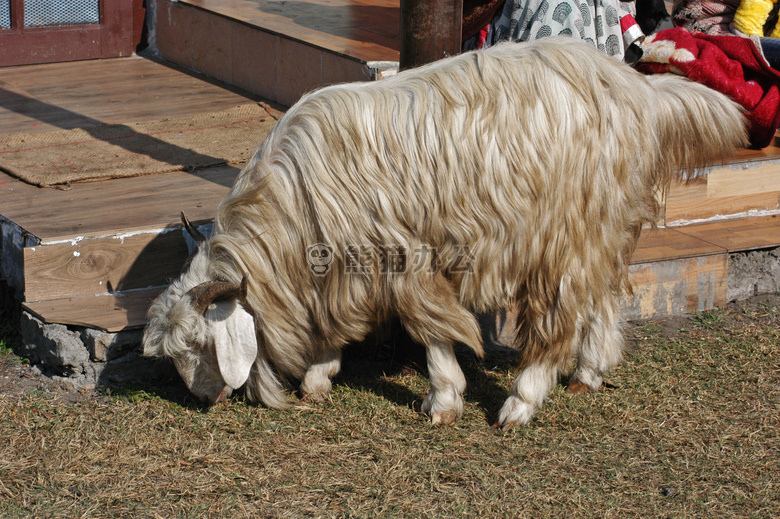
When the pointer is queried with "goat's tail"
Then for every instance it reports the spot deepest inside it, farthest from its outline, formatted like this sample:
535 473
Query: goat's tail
696 126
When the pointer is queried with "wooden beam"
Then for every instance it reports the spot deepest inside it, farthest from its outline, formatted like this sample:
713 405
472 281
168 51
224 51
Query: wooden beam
430 30
111 313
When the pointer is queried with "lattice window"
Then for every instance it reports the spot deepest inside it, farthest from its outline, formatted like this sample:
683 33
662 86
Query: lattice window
41 13
5 14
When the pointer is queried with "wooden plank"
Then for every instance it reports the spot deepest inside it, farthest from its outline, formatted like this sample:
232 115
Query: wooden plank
738 234
56 96
676 287
102 265
735 188
771 151
727 205
122 205
666 243
368 30
744 179
111 313
686 191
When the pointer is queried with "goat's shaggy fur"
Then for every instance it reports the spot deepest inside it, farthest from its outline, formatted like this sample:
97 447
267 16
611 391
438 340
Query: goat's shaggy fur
540 160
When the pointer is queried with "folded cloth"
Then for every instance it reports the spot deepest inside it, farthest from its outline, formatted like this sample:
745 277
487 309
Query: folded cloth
708 16
729 64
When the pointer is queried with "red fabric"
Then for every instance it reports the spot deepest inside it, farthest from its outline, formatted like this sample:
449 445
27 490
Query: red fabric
729 64
627 22
482 37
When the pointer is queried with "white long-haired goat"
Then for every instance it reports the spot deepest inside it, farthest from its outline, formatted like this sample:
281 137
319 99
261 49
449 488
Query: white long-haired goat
527 170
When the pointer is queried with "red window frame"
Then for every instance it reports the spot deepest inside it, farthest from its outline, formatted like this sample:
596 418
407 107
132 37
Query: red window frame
114 36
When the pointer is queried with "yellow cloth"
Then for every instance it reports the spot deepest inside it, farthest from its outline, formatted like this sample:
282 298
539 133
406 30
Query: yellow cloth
751 16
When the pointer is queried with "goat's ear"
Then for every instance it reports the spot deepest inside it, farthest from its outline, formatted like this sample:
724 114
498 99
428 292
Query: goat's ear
235 340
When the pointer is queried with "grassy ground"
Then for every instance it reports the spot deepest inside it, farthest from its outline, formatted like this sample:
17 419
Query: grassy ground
689 428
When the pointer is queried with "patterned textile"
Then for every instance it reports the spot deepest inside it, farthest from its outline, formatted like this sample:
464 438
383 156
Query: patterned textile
595 21
708 16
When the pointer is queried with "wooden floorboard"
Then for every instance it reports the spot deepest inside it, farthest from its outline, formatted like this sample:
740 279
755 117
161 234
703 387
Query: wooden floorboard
771 151
67 95
122 205
668 243
105 312
37 98
739 234
368 30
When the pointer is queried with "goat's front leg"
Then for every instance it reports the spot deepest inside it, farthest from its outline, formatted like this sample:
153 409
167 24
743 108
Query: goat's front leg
443 402
316 383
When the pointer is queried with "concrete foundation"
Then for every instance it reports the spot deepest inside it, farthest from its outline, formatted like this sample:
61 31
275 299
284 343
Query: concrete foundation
87 357
752 273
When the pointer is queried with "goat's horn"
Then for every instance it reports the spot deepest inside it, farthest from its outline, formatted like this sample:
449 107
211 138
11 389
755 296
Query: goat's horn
206 293
191 229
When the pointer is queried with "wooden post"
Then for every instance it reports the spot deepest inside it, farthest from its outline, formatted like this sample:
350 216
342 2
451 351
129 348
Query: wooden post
430 30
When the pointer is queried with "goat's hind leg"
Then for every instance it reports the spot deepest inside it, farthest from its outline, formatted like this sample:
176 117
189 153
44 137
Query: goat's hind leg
528 393
599 351
316 382
544 355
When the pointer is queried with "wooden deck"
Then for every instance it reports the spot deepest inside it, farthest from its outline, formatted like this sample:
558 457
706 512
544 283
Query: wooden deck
95 254
281 50
96 248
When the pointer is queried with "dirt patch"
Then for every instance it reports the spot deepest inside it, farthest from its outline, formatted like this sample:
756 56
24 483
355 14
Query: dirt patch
391 354
18 378
687 427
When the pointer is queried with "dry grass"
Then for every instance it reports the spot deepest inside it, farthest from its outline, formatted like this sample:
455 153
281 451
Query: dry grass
691 429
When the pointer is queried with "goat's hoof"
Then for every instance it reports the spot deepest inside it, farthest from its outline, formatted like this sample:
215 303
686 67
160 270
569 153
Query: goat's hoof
576 387
514 412
316 396
444 418
504 426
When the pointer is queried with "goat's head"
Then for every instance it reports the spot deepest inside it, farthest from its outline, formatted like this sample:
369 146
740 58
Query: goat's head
203 327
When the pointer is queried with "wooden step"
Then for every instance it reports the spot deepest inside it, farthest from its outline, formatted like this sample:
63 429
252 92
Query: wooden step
738 234
750 182
280 50
95 209
115 263
55 96
92 254
674 271
110 312
686 269
89 253
102 237
667 243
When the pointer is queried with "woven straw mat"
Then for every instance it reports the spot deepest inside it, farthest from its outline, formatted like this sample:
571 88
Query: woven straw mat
128 150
